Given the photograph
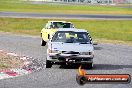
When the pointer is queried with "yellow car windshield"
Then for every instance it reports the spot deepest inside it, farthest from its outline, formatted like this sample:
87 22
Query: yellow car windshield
61 25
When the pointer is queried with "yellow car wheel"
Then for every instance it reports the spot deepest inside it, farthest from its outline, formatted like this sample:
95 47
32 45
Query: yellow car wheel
43 43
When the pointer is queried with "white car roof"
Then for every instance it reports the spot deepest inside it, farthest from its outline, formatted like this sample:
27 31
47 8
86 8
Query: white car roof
72 29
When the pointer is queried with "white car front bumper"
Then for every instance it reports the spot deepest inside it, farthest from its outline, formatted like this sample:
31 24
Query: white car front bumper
70 58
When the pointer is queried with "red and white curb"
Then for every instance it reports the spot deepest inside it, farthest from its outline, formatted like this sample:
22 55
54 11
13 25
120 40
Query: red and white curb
10 73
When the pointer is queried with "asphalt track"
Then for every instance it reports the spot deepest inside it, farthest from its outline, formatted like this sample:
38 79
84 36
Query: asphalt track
109 59
65 16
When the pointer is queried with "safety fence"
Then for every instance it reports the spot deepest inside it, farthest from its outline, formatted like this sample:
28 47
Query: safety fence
90 1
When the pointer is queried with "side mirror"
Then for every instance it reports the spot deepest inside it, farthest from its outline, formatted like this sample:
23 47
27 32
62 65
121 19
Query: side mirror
95 43
72 26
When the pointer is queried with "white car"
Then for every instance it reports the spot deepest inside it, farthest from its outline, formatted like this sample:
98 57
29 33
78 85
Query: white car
70 46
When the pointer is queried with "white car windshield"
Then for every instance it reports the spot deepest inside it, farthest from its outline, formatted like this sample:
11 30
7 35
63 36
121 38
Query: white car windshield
71 37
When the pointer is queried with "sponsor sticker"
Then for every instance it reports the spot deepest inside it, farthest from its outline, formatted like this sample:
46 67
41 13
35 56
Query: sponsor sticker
83 78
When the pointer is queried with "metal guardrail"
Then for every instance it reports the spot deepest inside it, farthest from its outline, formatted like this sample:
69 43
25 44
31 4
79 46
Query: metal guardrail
89 1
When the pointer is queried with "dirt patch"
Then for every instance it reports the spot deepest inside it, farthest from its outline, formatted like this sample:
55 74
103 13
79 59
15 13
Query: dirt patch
10 61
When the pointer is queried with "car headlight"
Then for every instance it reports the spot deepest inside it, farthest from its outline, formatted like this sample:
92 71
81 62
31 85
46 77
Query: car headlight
86 53
52 51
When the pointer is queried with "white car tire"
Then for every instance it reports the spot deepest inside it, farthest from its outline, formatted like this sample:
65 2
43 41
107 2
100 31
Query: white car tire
48 64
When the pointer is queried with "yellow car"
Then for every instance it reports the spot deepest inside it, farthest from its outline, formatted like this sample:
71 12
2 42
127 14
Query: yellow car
51 27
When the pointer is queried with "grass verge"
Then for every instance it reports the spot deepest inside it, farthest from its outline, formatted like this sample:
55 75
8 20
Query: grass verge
19 6
99 29
8 61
